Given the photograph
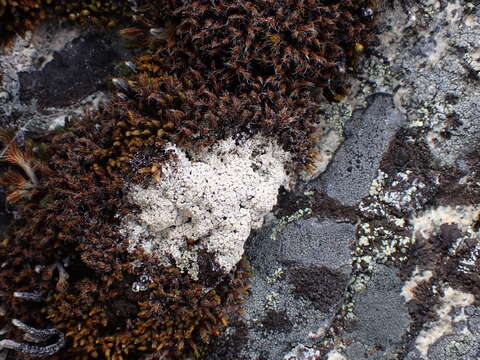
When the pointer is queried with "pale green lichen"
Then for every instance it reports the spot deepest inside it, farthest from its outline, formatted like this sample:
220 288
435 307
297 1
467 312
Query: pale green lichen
288 219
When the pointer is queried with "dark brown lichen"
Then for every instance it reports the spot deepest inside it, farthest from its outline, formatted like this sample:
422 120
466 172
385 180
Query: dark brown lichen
322 286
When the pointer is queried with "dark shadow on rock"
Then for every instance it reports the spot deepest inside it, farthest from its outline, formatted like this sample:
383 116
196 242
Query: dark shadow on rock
76 71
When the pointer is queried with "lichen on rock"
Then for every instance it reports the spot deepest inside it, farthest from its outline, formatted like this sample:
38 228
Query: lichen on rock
208 202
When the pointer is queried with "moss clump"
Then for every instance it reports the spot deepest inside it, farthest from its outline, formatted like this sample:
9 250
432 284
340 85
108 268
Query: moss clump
289 44
210 70
79 264
18 16
172 316
216 69
163 107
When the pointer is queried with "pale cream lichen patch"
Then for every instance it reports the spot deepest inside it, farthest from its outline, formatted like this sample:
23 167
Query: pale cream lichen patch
429 221
329 139
410 285
209 202
443 326
335 355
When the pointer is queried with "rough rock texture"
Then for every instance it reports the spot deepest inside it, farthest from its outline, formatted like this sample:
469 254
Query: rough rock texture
321 243
55 73
296 289
354 165
380 317
410 184
77 71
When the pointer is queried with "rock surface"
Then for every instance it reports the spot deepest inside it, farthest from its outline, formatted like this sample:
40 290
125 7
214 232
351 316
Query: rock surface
355 164
56 73
406 174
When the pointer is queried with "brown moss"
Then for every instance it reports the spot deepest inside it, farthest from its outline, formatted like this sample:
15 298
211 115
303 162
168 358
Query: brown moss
18 16
217 70
180 108
79 263
297 43
175 317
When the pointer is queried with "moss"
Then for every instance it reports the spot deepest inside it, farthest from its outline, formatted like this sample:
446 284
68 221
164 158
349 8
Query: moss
18 16
211 71
207 72
174 317
82 269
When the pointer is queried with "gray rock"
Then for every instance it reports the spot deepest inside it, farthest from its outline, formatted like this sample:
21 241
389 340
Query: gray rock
355 164
382 317
55 73
314 242
300 276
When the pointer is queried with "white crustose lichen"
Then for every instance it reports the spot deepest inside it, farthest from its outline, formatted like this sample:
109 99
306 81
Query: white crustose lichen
212 201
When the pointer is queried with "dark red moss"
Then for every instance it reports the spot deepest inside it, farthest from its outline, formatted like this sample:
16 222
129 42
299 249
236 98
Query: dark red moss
210 70
289 45
65 245
307 43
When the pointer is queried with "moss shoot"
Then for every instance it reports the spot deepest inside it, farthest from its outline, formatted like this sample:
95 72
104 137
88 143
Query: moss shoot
207 71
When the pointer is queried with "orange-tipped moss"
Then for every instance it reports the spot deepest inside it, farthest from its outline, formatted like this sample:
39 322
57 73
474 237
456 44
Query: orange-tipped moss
18 16
20 186
209 71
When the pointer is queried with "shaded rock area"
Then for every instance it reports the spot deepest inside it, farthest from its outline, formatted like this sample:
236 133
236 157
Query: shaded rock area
55 73
73 72
297 287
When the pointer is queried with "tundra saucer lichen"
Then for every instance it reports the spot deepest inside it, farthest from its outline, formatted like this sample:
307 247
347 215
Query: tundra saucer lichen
210 202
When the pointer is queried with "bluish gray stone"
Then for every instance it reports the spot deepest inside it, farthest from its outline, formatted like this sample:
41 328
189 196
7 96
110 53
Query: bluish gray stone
314 242
355 164
382 317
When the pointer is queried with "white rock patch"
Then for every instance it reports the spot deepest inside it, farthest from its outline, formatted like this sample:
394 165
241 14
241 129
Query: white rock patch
214 200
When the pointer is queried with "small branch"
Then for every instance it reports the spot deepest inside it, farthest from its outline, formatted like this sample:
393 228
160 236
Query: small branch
34 335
